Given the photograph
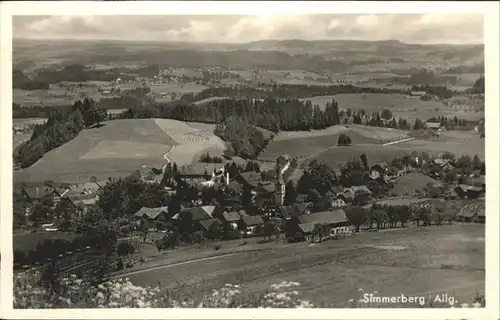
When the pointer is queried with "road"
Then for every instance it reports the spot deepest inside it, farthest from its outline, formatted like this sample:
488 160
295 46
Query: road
447 259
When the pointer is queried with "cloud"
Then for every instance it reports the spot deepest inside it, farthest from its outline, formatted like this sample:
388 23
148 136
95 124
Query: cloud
423 28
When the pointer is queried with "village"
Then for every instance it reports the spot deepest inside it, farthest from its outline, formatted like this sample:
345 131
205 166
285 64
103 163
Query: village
228 202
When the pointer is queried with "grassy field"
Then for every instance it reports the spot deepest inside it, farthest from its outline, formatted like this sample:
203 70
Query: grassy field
120 147
456 142
302 144
407 185
413 261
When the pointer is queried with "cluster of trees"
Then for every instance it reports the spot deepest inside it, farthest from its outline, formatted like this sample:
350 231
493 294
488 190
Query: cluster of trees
43 78
206 158
344 140
478 86
242 138
377 119
282 91
382 215
59 129
271 114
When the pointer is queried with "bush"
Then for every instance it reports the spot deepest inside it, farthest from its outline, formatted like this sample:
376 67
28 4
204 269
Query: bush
344 140
217 247
125 248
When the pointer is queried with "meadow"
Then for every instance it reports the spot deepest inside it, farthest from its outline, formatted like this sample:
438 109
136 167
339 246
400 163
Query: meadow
456 142
315 142
428 260
120 147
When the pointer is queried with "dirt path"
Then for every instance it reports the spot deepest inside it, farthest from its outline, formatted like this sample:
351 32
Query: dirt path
399 141
165 156
122 275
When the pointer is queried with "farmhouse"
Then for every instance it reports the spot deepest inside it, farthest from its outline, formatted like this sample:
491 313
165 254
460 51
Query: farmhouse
331 219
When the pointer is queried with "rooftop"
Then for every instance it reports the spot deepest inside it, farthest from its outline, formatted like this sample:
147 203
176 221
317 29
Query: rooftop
327 217
252 220
151 213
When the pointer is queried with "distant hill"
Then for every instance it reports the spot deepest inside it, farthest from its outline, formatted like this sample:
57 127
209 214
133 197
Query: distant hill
318 56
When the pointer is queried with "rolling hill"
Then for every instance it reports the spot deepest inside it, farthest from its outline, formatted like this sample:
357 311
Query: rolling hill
120 147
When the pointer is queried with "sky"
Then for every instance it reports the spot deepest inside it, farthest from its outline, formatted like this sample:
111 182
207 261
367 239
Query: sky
409 28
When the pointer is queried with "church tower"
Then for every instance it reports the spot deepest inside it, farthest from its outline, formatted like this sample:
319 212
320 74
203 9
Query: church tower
282 164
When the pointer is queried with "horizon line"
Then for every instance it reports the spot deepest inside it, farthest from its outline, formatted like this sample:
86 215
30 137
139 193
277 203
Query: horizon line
245 42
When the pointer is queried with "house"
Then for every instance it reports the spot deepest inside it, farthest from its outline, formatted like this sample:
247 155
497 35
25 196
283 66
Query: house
152 213
436 127
469 192
231 218
338 203
234 188
355 194
250 179
265 188
251 223
196 213
82 199
295 210
444 164
418 93
466 216
202 170
207 225
306 224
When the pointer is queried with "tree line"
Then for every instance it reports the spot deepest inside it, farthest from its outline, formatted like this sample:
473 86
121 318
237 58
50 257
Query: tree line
283 91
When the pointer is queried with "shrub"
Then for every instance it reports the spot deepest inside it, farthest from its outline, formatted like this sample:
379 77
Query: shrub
125 248
344 140
123 294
